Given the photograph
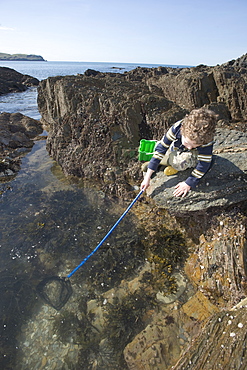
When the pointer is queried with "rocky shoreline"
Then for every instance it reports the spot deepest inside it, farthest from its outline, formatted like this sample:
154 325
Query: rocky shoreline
17 136
17 132
195 248
13 81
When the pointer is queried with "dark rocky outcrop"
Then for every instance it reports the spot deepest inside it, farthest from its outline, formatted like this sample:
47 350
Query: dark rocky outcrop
95 123
13 81
17 134
240 62
222 86
95 120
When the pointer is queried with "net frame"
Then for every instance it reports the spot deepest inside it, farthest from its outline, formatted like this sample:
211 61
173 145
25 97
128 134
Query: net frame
63 287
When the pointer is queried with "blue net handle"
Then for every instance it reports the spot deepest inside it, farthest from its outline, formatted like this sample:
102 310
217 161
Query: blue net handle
109 232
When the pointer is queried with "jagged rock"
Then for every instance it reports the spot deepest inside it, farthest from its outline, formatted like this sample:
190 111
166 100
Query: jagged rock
194 87
240 62
220 345
217 266
225 183
16 139
95 123
13 81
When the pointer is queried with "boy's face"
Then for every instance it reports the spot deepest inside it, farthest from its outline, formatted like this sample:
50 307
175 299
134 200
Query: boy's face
189 144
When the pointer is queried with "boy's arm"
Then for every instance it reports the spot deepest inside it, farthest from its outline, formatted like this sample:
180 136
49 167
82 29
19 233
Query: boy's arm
163 145
205 157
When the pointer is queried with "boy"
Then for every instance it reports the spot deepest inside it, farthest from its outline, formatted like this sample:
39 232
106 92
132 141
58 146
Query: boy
188 143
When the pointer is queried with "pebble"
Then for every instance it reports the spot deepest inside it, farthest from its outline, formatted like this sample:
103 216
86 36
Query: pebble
43 362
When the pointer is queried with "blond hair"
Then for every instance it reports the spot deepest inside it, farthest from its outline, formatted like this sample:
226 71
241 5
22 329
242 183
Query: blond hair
199 126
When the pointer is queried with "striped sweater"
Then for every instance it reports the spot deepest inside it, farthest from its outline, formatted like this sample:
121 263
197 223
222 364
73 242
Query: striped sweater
173 136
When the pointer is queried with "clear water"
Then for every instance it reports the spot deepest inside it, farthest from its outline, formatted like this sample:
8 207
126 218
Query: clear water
48 225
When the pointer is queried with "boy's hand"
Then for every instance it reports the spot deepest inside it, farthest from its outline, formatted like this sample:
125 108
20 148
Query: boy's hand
181 189
145 184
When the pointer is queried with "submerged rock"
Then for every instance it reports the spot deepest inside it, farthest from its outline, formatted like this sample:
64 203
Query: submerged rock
208 321
155 347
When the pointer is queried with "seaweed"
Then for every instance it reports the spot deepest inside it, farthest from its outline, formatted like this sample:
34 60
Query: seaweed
161 234
160 277
117 262
124 319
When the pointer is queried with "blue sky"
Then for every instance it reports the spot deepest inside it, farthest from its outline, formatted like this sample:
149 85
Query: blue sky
185 32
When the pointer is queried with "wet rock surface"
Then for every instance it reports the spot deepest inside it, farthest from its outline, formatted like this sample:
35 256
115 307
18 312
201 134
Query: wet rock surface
218 265
155 347
13 81
17 134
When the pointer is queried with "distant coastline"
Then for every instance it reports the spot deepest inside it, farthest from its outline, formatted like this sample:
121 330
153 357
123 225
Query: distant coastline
21 57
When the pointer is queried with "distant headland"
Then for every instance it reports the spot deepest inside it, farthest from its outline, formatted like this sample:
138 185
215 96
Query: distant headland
21 57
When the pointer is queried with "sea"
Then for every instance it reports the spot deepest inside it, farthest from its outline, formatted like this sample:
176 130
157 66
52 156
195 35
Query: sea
48 224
